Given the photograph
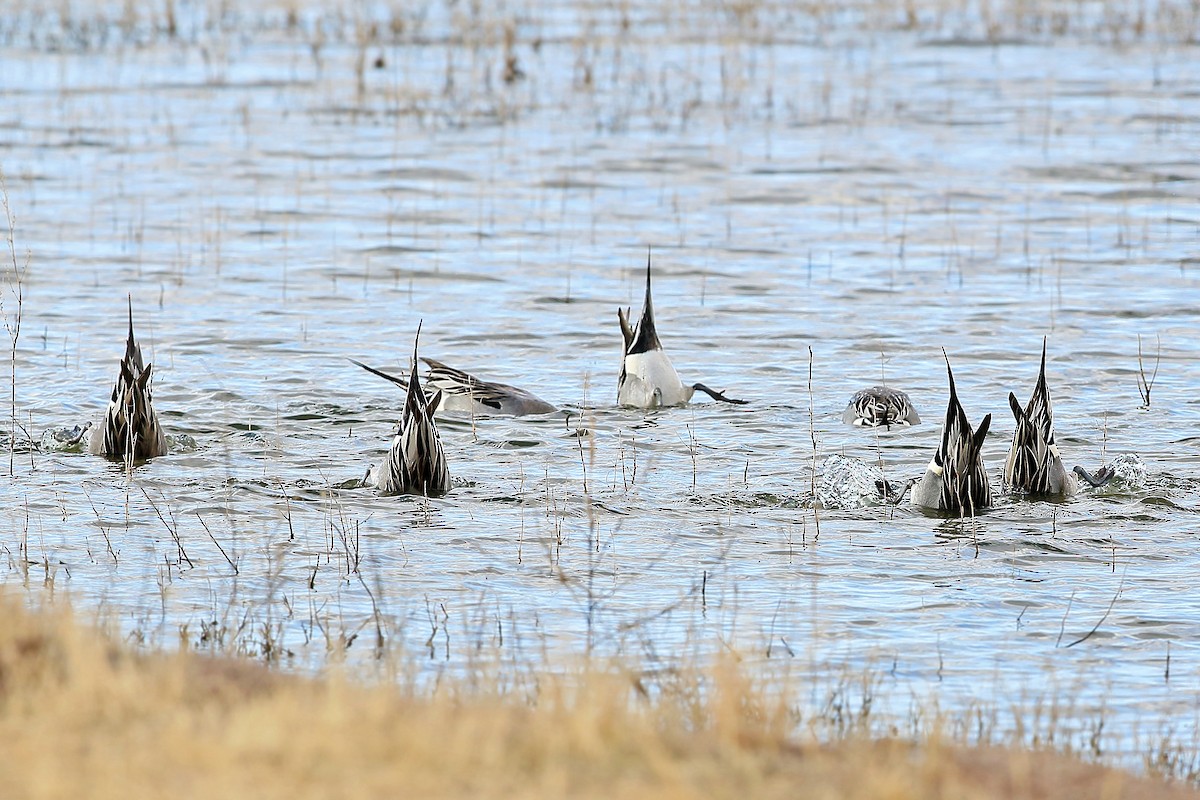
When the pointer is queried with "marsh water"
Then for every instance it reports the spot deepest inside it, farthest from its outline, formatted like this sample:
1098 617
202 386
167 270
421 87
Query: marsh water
830 203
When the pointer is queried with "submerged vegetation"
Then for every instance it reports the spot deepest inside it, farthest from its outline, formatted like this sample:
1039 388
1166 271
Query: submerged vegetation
83 716
96 24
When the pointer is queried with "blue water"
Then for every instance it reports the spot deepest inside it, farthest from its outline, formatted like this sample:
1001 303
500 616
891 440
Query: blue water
875 198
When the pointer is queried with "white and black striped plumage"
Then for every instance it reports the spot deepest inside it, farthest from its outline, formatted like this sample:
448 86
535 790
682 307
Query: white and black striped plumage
416 462
880 407
457 390
1034 465
956 480
129 430
648 379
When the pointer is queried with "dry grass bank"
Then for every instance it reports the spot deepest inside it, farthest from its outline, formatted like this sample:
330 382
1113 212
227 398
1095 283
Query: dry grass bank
81 717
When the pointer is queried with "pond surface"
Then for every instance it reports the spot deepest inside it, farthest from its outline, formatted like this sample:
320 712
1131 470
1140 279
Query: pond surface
825 209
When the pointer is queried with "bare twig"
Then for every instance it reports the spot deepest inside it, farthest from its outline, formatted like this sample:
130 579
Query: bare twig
379 639
1104 440
13 324
692 452
287 505
1144 386
812 432
1096 627
204 525
172 528
1062 625
579 432
102 526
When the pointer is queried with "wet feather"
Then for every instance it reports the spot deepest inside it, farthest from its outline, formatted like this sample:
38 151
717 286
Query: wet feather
956 479
648 379
1034 465
457 390
129 430
880 407
416 462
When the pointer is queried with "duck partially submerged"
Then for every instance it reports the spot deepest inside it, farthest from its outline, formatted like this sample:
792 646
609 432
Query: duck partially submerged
880 407
456 390
129 430
956 479
1034 465
648 379
847 482
415 463
1126 471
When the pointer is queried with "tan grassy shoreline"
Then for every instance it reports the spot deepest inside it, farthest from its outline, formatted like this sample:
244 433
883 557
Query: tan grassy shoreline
81 716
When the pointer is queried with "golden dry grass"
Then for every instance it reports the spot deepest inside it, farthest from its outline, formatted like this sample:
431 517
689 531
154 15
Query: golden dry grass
80 716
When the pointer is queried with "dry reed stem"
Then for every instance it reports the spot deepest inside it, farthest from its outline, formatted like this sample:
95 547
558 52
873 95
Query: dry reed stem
812 432
12 322
1144 384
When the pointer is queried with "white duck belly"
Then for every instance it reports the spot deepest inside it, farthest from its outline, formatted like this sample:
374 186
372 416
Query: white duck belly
651 381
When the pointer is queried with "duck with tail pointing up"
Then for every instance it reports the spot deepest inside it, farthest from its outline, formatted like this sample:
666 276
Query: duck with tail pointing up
1034 466
956 479
648 379
416 462
129 430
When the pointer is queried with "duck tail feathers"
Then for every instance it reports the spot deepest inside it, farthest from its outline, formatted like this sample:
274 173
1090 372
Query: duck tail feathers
626 331
1018 412
980 434
648 311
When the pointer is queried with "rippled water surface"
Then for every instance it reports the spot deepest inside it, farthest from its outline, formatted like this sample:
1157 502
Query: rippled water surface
825 208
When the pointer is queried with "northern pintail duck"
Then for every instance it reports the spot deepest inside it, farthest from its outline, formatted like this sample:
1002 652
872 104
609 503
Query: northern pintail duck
415 463
1034 465
129 430
880 407
648 380
956 480
456 390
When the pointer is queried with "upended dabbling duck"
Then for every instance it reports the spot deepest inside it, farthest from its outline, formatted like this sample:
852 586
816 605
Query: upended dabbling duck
880 407
456 390
648 379
1034 465
416 462
956 480
129 430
